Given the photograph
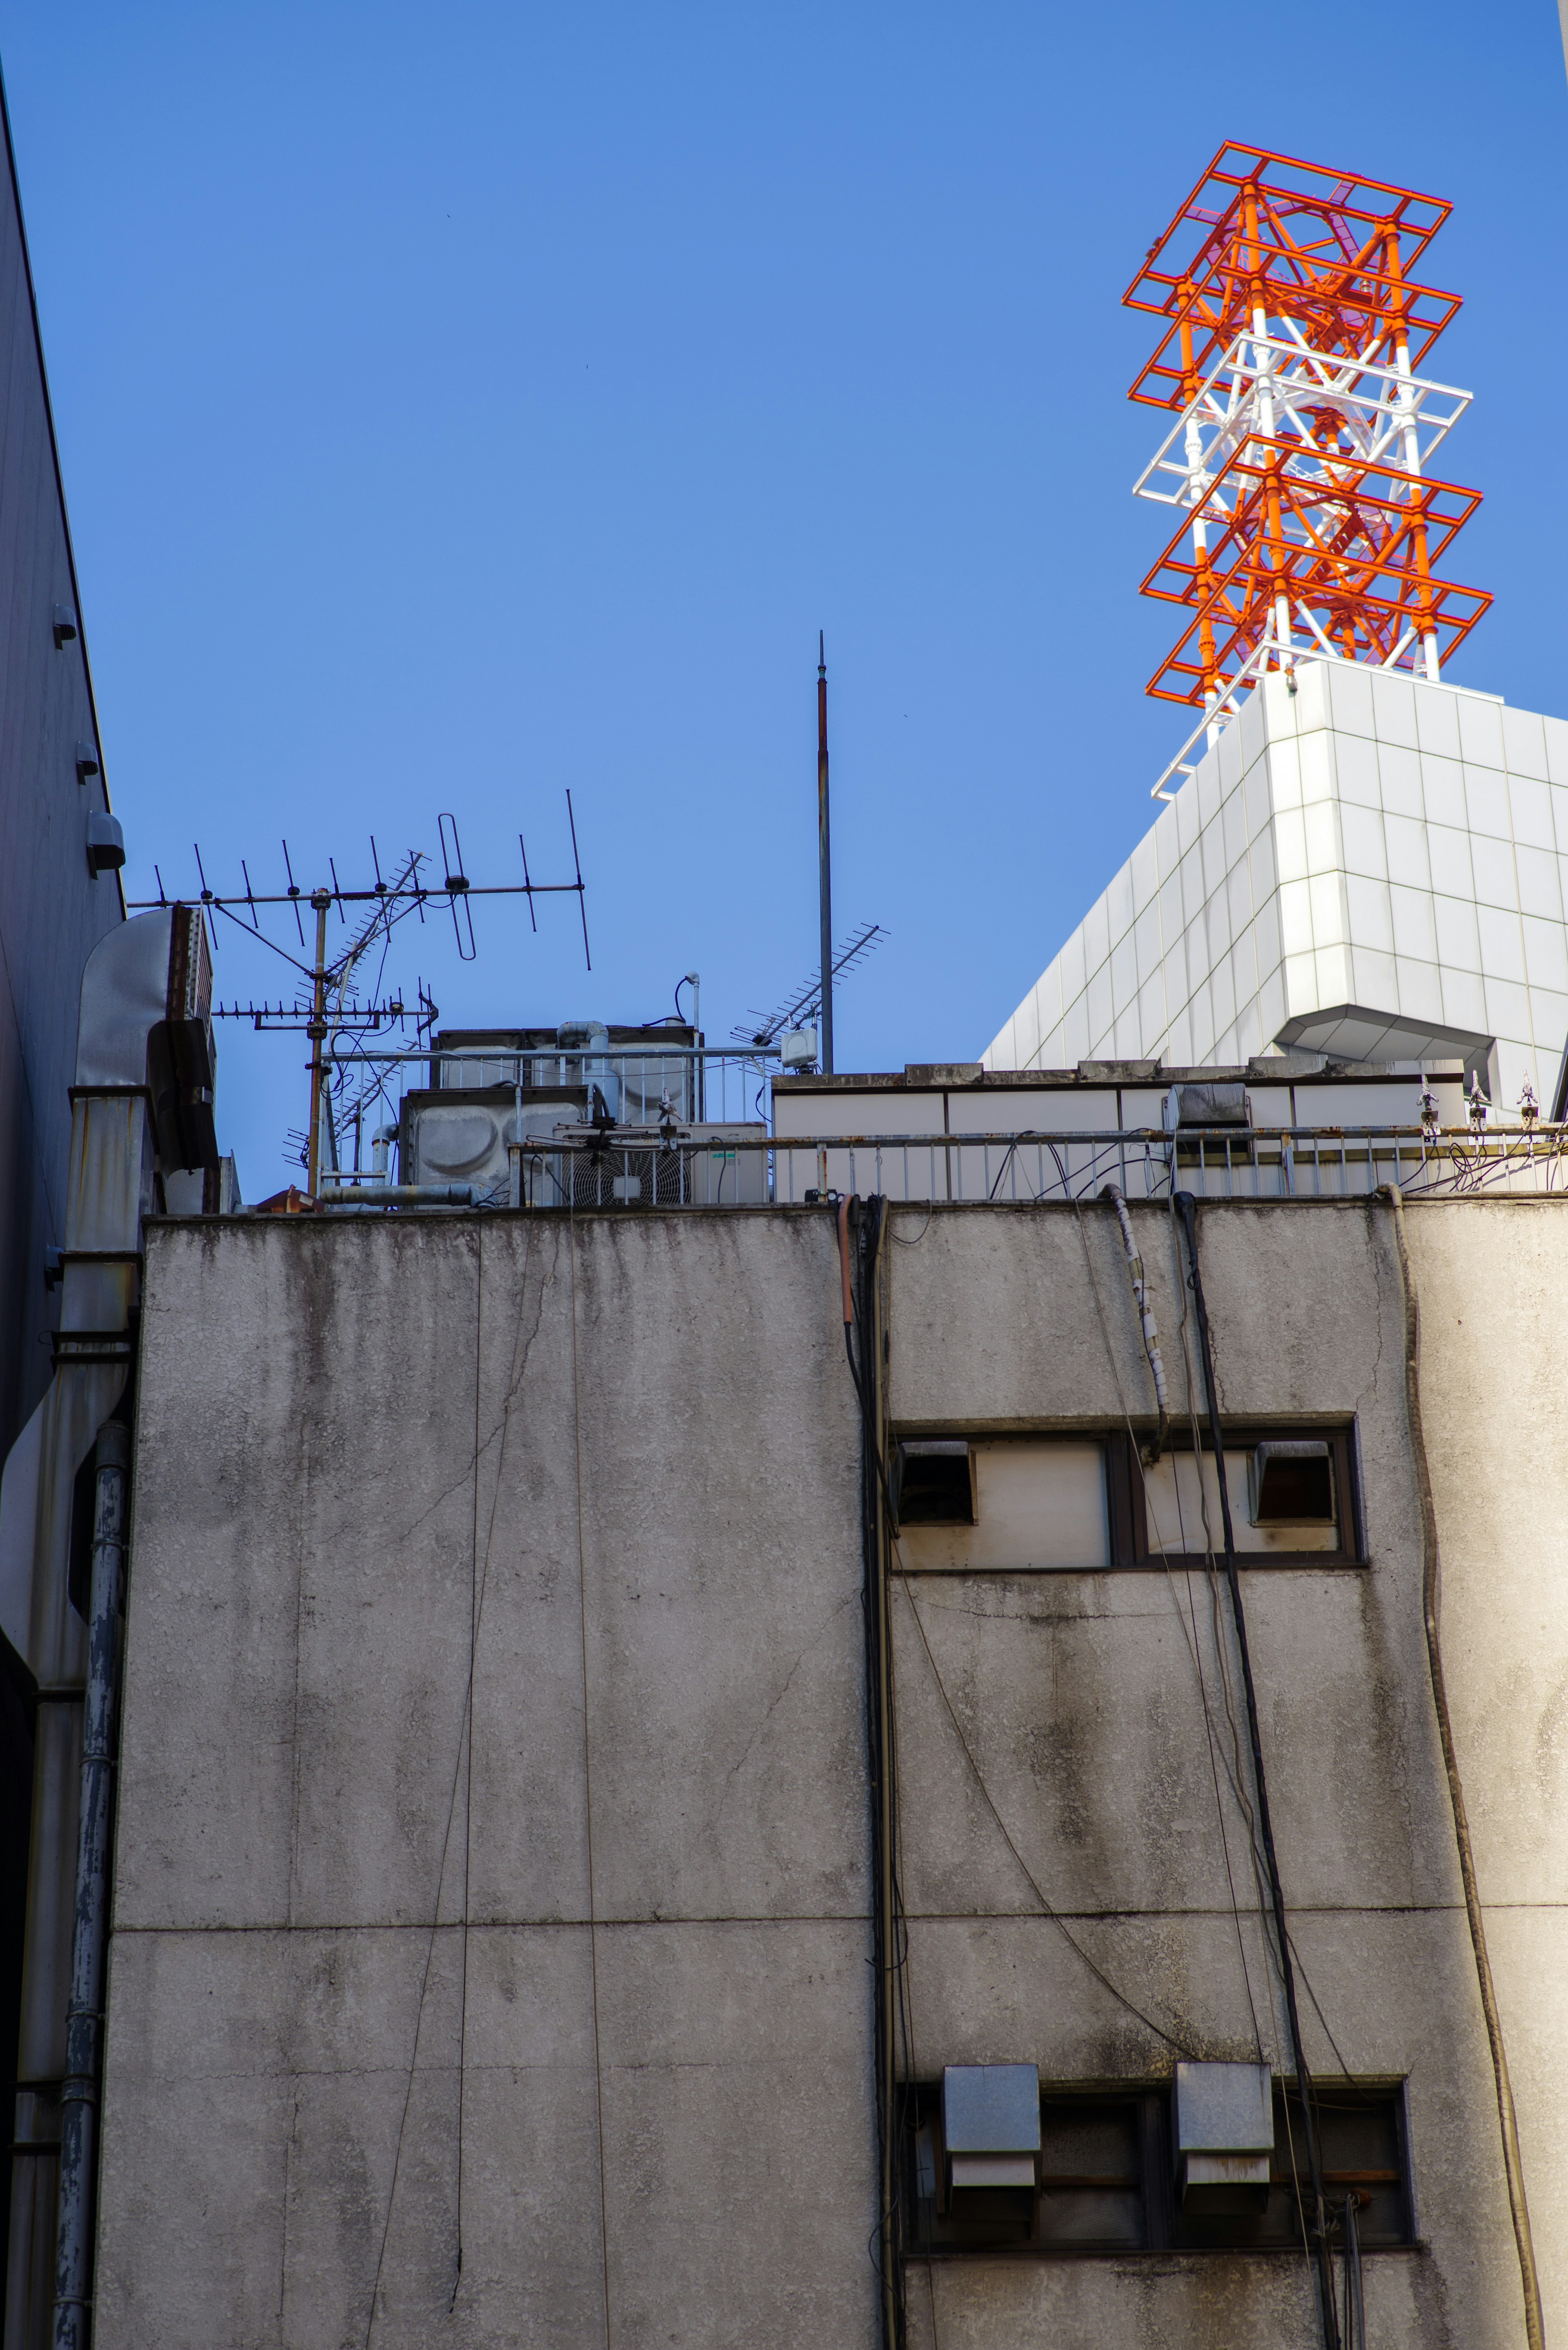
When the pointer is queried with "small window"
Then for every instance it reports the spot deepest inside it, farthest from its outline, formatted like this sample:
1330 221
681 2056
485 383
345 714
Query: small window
1004 1504
1290 1482
1090 2192
1292 1495
1108 2177
933 1483
1361 2142
1031 1505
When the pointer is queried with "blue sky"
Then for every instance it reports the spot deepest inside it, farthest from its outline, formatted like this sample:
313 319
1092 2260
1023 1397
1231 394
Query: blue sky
458 404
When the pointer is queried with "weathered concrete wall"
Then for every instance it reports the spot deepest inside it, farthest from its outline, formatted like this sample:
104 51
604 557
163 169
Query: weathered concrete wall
1080 1700
617 1467
370 1454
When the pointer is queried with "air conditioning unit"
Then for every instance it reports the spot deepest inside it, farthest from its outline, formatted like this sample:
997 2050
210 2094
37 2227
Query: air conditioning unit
991 2126
1222 2131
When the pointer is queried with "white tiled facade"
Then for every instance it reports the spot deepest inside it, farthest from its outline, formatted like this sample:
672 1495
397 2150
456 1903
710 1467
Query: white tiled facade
1368 866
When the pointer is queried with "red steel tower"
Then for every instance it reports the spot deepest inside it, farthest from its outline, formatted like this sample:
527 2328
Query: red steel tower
1311 525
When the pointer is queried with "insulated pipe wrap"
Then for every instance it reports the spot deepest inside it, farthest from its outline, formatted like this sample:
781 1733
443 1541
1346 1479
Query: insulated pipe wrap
1146 1313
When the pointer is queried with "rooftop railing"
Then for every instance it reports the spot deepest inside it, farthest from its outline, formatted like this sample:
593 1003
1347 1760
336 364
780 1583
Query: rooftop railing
657 1166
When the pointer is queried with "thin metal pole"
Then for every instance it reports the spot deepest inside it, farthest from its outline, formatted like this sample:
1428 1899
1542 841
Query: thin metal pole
825 856
317 1032
84 2013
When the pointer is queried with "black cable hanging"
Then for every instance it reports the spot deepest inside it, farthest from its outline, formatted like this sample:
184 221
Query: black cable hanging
1318 2231
860 1225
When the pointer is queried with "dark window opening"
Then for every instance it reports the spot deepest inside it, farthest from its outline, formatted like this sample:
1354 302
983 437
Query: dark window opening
1107 2178
933 1483
1291 1482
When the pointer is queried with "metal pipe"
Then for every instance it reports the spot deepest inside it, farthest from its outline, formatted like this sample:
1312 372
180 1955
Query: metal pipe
1317 2231
1354 2306
825 859
401 1195
1141 1299
317 1032
84 2012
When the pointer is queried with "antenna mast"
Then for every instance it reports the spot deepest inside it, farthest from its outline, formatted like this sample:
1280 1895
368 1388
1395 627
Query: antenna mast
825 858
317 1032
329 1009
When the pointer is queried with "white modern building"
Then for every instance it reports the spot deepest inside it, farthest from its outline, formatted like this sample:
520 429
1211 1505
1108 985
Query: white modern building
1363 865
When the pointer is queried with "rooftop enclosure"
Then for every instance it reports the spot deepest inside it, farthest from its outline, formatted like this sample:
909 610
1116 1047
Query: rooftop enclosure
587 1994
1355 858
1367 866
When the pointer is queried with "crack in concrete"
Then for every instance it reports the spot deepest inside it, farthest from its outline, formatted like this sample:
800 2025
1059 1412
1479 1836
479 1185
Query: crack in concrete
814 1641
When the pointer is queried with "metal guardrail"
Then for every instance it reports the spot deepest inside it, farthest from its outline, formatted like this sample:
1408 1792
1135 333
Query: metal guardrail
1219 1162
615 1168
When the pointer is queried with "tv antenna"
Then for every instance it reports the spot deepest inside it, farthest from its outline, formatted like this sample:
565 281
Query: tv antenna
327 1004
805 1004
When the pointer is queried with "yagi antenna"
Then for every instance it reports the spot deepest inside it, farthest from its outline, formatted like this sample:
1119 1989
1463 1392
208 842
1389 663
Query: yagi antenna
807 1001
325 1008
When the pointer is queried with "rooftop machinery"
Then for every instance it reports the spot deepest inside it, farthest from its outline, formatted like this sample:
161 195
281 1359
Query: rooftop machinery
1292 332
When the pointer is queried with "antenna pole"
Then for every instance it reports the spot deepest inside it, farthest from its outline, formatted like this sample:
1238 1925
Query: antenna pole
317 1032
824 857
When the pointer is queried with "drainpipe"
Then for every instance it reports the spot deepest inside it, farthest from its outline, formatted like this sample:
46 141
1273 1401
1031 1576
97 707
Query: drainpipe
84 2011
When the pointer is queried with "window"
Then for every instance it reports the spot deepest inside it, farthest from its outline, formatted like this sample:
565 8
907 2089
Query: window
933 1483
1033 1503
1026 1504
1291 1493
1107 2178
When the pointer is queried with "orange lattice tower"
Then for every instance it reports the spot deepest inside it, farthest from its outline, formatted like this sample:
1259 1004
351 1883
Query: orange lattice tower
1299 454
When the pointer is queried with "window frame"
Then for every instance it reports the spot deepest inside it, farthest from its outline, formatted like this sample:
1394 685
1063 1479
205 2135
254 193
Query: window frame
1126 1516
1164 2230
1341 1439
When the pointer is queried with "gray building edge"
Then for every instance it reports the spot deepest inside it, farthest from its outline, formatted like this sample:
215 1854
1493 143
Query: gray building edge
53 912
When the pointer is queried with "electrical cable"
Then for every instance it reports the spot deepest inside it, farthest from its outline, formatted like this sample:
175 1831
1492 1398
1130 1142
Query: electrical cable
1234 1768
1152 1519
587 1778
1183 2046
1171 2040
1187 1209
1514 2166
889 1955
468 1771
1151 1348
465 1731
1325 2272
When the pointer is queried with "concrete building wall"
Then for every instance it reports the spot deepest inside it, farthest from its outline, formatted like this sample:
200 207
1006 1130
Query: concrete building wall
612 1467
654 1857
1079 1696
1370 867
